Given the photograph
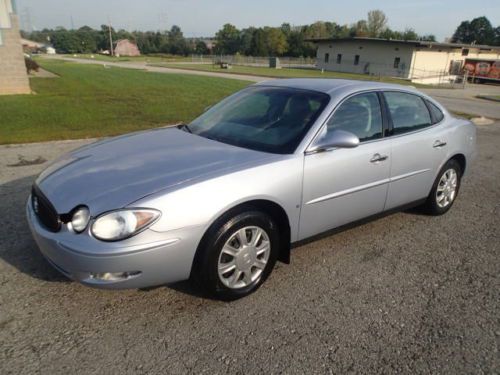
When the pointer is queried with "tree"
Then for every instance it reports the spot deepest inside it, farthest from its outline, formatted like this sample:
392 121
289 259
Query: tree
176 42
66 42
201 48
482 30
295 41
276 41
360 29
376 23
286 28
318 30
259 43
428 38
409 34
87 38
246 38
479 31
496 42
463 33
228 39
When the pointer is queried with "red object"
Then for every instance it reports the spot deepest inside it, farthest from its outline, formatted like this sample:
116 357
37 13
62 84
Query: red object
483 68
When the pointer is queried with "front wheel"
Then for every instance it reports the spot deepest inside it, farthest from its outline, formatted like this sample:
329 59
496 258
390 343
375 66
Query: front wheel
238 255
445 189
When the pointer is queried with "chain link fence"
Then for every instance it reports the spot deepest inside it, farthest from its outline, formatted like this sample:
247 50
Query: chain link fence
257 61
440 78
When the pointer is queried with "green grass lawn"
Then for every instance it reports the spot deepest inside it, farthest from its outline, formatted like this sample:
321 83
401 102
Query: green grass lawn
284 72
93 101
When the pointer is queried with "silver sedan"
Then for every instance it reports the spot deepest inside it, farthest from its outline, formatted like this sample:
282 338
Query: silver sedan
221 199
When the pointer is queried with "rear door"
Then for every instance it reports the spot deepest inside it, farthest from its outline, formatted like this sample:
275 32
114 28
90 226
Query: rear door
418 146
344 185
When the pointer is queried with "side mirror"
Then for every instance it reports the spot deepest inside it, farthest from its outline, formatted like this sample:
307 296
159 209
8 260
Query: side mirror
335 139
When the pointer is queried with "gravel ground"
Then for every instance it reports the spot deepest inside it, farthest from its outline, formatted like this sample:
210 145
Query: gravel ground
406 293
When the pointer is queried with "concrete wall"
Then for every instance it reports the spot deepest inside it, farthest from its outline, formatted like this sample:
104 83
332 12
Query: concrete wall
374 58
432 62
13 76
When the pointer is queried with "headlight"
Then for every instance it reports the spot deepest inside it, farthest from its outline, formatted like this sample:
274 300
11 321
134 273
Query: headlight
80 219
121 224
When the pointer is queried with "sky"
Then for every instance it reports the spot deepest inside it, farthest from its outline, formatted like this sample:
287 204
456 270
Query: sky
204 17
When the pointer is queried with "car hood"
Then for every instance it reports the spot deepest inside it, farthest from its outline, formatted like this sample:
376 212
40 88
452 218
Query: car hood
113 173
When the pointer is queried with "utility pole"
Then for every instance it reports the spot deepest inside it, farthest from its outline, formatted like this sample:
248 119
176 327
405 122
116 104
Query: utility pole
110 38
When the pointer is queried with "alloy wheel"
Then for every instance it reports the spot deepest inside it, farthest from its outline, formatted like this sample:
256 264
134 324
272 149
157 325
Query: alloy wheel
447 188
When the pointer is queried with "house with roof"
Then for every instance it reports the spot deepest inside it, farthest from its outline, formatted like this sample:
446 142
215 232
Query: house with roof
408 59
125 47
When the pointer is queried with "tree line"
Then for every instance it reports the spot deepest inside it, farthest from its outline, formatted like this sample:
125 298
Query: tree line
478 31
294 41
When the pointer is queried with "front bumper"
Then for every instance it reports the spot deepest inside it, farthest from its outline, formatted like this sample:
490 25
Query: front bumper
153 258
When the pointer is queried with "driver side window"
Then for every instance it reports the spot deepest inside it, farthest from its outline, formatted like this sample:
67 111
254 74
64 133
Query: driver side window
360 115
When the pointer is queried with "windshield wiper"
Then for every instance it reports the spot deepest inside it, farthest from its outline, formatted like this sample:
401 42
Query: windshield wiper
184 127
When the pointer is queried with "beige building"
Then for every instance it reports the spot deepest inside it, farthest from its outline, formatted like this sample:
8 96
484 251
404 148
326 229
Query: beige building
398 58
13 76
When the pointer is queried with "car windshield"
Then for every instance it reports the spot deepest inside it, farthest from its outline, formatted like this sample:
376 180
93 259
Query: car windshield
270 119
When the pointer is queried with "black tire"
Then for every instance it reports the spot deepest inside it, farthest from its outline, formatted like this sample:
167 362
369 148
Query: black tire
431 206
205 270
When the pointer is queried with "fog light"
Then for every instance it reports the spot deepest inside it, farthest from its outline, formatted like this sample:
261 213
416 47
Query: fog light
114 276
80 219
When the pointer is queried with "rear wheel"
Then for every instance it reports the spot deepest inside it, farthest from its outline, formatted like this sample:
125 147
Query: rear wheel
238 255
445 189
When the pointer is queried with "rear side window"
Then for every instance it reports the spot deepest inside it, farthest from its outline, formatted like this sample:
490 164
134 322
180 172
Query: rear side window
436 113
408 112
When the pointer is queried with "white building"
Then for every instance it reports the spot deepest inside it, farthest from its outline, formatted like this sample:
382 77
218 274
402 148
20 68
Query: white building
398 58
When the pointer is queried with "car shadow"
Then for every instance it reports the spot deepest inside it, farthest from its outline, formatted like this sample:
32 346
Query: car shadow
19 250
17 246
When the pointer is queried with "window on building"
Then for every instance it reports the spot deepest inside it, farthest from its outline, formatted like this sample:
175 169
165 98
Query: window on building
339 58
465 52
327 58
397 60
356 60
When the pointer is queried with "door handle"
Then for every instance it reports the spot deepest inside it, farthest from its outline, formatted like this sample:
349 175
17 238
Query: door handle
439 144
377 157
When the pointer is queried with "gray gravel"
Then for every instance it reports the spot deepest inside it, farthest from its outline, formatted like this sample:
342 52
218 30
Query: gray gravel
406 293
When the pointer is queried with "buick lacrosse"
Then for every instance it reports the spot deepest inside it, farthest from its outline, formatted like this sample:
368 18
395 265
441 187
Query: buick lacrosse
221 199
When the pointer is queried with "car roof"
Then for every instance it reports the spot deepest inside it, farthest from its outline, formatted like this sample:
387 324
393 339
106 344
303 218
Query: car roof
331 85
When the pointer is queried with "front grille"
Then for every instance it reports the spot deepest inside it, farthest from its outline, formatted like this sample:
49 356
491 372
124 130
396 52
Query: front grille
44 210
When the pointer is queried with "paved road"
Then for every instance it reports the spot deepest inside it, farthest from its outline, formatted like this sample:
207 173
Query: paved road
141 65
407 293
466 101
458 100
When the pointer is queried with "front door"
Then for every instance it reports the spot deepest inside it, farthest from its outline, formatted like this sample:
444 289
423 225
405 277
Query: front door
345 185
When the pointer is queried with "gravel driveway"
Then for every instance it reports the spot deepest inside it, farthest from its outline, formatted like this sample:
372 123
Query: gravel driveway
405 293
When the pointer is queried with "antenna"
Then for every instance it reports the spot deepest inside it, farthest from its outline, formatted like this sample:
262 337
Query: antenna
162 20
26 21
110 37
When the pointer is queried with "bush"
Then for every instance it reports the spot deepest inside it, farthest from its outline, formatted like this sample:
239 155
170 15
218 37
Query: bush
31 65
